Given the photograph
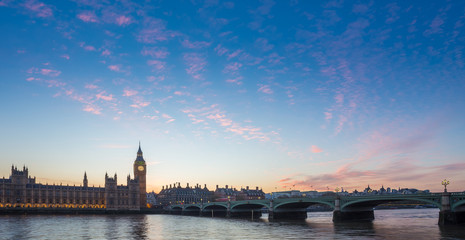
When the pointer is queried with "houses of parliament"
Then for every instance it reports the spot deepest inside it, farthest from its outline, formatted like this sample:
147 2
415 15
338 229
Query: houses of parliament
21 191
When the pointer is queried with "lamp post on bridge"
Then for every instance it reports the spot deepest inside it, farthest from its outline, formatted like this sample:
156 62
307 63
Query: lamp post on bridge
445 182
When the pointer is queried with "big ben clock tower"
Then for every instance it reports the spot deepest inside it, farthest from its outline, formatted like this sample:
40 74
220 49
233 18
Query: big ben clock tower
140 171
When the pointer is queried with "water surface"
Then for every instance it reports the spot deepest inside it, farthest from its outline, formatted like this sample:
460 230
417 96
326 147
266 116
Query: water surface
388 224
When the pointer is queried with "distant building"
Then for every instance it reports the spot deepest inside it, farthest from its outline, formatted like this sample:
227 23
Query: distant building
250 194
21 190
175 194
225 194
151 199
286 194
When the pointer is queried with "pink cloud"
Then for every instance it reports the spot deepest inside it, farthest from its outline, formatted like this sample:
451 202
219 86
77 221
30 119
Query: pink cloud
103 97
196 64
116 68
128 92
220 50
156 52
123 20
232 67
106 52
50 72
54 83
195 45
139 102
274 58
179 93
38 8
90 86
234 54
328 115
89 48
65 56
265 89
154 31
316 149
262 44
339 98
87 17
214 114
157 65
235 80
92 109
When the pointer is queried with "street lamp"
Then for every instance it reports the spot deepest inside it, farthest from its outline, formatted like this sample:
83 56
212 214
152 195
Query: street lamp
445 182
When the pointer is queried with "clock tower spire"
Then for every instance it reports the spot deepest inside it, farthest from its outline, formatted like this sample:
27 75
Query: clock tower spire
140 172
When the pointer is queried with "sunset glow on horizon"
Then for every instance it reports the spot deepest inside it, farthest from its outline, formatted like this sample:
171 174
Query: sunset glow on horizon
276 94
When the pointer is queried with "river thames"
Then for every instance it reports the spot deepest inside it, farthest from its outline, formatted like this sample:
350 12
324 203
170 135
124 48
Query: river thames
388 224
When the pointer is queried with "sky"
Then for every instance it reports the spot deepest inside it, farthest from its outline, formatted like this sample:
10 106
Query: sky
307 95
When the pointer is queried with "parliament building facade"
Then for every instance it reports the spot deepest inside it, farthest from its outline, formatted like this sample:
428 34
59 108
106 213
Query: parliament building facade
21 191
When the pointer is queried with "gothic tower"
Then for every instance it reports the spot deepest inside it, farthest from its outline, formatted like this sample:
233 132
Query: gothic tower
140 172
85 182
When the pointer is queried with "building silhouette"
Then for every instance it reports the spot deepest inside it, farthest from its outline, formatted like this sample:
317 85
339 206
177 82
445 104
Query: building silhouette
21 191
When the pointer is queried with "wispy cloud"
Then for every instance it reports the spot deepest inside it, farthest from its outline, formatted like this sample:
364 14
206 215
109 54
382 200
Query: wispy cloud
102 96
44 71
157 65
87 16
129 92
195 44
196 64
237 80
213 113
315 149
87 47
123 20
154 31
264 89
38 8
92 109
157 52
115 68
232 67
91 86
262 44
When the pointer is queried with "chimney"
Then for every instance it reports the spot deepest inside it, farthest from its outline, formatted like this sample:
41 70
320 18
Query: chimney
257 188
247 187
206 186
187 185
226 186
216 186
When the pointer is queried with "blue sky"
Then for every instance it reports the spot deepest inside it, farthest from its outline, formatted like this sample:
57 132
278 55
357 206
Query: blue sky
276 94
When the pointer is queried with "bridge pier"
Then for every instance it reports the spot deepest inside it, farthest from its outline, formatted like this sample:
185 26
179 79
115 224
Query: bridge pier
446 215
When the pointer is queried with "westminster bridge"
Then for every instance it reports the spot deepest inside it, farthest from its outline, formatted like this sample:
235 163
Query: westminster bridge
345 208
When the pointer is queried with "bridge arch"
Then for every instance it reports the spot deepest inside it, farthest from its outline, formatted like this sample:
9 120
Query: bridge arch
302 203
369 204
458 206
192 207
249 205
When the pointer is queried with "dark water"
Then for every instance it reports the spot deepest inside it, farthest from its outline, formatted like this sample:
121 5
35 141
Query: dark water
414 224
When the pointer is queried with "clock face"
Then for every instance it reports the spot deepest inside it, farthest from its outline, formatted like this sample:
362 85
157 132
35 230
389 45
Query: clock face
140 168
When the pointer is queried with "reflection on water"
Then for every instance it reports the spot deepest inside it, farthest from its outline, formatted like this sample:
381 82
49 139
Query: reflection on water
388 224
